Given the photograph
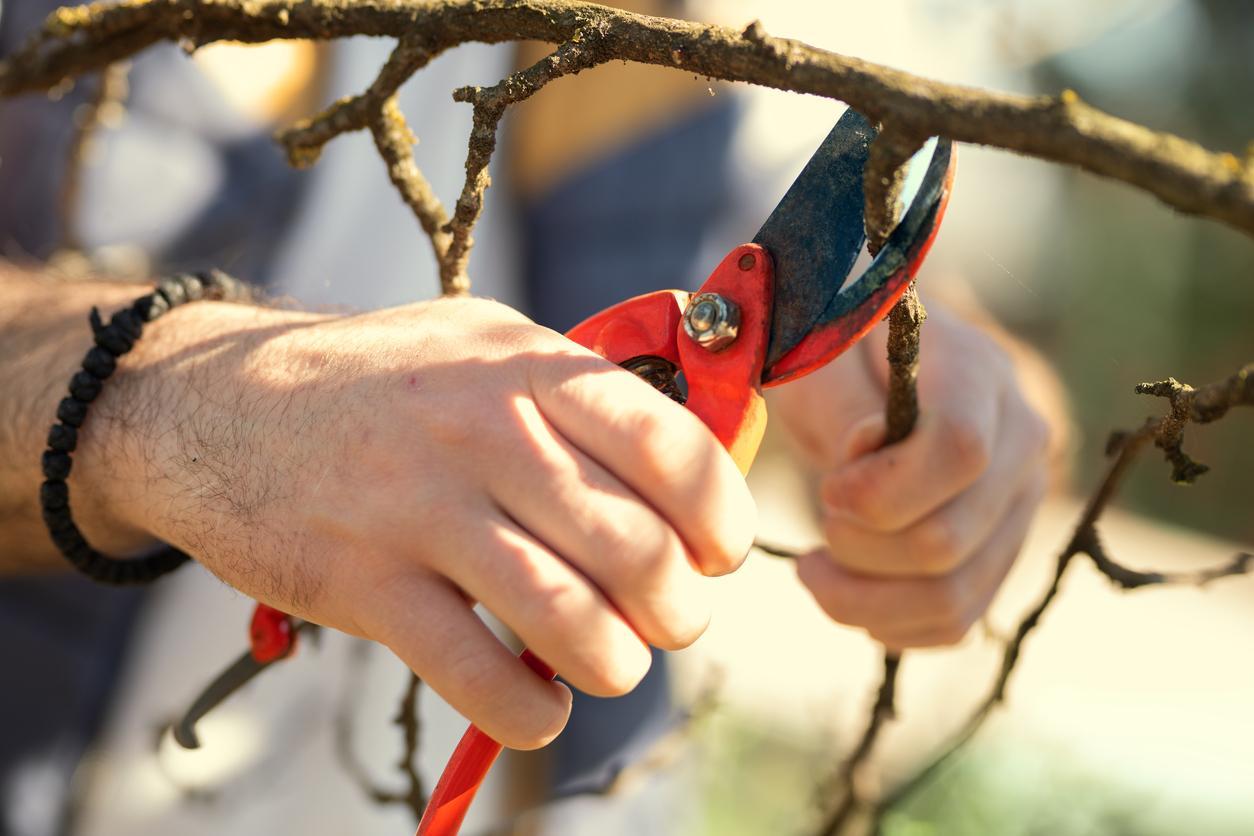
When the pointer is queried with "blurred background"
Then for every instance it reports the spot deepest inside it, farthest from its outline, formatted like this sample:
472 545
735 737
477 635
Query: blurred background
1113 287
1130 713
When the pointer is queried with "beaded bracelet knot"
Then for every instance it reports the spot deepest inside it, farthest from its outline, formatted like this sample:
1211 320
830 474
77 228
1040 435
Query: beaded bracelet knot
112 341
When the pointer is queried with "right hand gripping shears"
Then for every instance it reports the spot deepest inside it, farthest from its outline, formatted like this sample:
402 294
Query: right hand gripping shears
773 310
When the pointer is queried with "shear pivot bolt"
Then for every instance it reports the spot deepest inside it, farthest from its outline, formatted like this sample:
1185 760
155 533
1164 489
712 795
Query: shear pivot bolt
712 321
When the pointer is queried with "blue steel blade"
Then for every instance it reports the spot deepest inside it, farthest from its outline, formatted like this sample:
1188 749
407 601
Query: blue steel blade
903 243
815 233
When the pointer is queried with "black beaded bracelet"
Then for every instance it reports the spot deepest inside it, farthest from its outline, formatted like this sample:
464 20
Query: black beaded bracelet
112 341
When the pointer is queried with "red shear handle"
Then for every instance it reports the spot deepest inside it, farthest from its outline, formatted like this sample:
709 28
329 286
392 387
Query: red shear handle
271 634
723 386
723 391
466 770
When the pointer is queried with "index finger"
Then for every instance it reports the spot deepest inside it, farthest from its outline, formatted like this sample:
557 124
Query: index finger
894 486
659 449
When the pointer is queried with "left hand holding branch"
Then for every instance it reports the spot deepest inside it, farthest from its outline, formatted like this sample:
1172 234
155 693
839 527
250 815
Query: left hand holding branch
920 534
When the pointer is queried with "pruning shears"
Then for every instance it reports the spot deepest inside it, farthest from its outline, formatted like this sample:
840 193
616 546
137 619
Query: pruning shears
773 310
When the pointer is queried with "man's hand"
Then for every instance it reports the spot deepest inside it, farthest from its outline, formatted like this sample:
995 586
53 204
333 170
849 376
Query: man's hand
381 473
922 533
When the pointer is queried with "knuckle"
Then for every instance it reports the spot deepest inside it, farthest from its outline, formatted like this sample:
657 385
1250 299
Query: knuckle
648 545
454 426
969 447
939 543
552 606
656 432
673 441
863 493
473 673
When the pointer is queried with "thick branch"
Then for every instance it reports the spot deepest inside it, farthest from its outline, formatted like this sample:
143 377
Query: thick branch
1063 129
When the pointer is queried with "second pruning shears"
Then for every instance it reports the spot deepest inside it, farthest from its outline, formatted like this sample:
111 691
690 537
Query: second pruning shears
773 310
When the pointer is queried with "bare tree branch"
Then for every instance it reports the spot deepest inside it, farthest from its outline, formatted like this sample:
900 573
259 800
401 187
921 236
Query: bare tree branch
414 796
581 52
104 108
395 143
1188 406
883 181
1063 129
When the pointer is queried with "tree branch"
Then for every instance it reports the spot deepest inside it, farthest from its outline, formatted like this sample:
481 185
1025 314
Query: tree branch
395 143
103 109
414 796
1188 406
581 52
883 181
1063 129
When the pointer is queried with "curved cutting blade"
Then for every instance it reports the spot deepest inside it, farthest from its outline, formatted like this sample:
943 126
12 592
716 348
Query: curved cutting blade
816 233
854 310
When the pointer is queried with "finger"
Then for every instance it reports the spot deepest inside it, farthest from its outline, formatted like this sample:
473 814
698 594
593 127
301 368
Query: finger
892 487
836 412
940 542
554 609
600 526
660 450
431 627
922 612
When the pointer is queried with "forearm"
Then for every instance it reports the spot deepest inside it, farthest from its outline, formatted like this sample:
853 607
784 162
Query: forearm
43 336
122 464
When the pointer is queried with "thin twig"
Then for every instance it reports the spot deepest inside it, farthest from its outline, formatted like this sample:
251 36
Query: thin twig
414 796
103 109
1127 578
407 719
882 186
304 140
582 52
395 143
661 754
1215 399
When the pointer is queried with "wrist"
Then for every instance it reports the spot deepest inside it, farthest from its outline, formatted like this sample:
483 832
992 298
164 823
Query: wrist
131 476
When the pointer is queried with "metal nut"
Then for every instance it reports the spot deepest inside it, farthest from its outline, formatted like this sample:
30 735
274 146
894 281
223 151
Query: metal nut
712 321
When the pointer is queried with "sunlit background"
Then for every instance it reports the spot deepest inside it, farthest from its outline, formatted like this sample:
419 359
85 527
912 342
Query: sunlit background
1112 286
1130 713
